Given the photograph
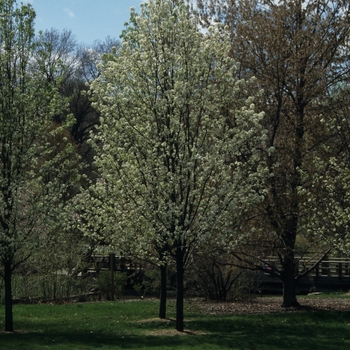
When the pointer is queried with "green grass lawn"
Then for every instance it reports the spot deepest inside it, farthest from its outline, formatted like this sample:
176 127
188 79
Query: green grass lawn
132 325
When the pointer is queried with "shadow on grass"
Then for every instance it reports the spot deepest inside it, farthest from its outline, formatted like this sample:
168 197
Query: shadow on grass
313 330
83 340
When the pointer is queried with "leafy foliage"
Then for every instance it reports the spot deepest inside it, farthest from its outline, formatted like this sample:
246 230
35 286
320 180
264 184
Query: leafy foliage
179 140
105 287
298 52
37 172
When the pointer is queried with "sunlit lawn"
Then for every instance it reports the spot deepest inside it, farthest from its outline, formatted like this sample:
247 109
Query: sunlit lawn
122 325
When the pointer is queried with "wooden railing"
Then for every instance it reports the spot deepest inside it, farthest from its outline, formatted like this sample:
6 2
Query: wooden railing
100 262
332 267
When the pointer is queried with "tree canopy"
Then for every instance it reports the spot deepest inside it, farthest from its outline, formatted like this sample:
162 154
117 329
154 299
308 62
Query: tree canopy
298 52
35 154
178 148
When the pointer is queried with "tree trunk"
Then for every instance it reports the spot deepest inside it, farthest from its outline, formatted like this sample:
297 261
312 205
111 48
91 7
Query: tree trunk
112 269
179 291
8 297
163 294
289 283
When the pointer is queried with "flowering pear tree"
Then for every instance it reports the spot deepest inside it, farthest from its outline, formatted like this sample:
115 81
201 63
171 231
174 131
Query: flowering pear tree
179 145
329 211
35 158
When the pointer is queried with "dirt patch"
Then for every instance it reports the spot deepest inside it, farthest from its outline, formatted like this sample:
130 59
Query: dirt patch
169 332
15 332
163 320
173 332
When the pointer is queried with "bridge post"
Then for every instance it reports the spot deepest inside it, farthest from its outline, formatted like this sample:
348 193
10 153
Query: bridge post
317 270
112 268
340 270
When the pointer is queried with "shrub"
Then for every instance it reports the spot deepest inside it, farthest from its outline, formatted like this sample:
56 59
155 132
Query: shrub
217 278
149 283
104 284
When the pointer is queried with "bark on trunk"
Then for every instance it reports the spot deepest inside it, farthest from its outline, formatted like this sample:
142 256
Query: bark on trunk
179 291
8 297
163 294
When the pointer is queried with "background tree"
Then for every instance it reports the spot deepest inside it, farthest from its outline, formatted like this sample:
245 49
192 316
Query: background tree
86 117
297 50
71 67
33 169
331 176
61 59
178 153
90 57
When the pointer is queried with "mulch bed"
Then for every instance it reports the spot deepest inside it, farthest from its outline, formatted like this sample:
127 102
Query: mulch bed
266 305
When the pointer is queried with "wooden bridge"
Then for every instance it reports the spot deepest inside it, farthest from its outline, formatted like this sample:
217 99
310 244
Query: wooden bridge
331 274
100 262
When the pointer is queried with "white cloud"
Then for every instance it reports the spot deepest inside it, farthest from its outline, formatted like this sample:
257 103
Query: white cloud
68 12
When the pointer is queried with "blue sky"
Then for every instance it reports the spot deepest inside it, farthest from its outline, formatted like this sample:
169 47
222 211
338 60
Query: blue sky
88 20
